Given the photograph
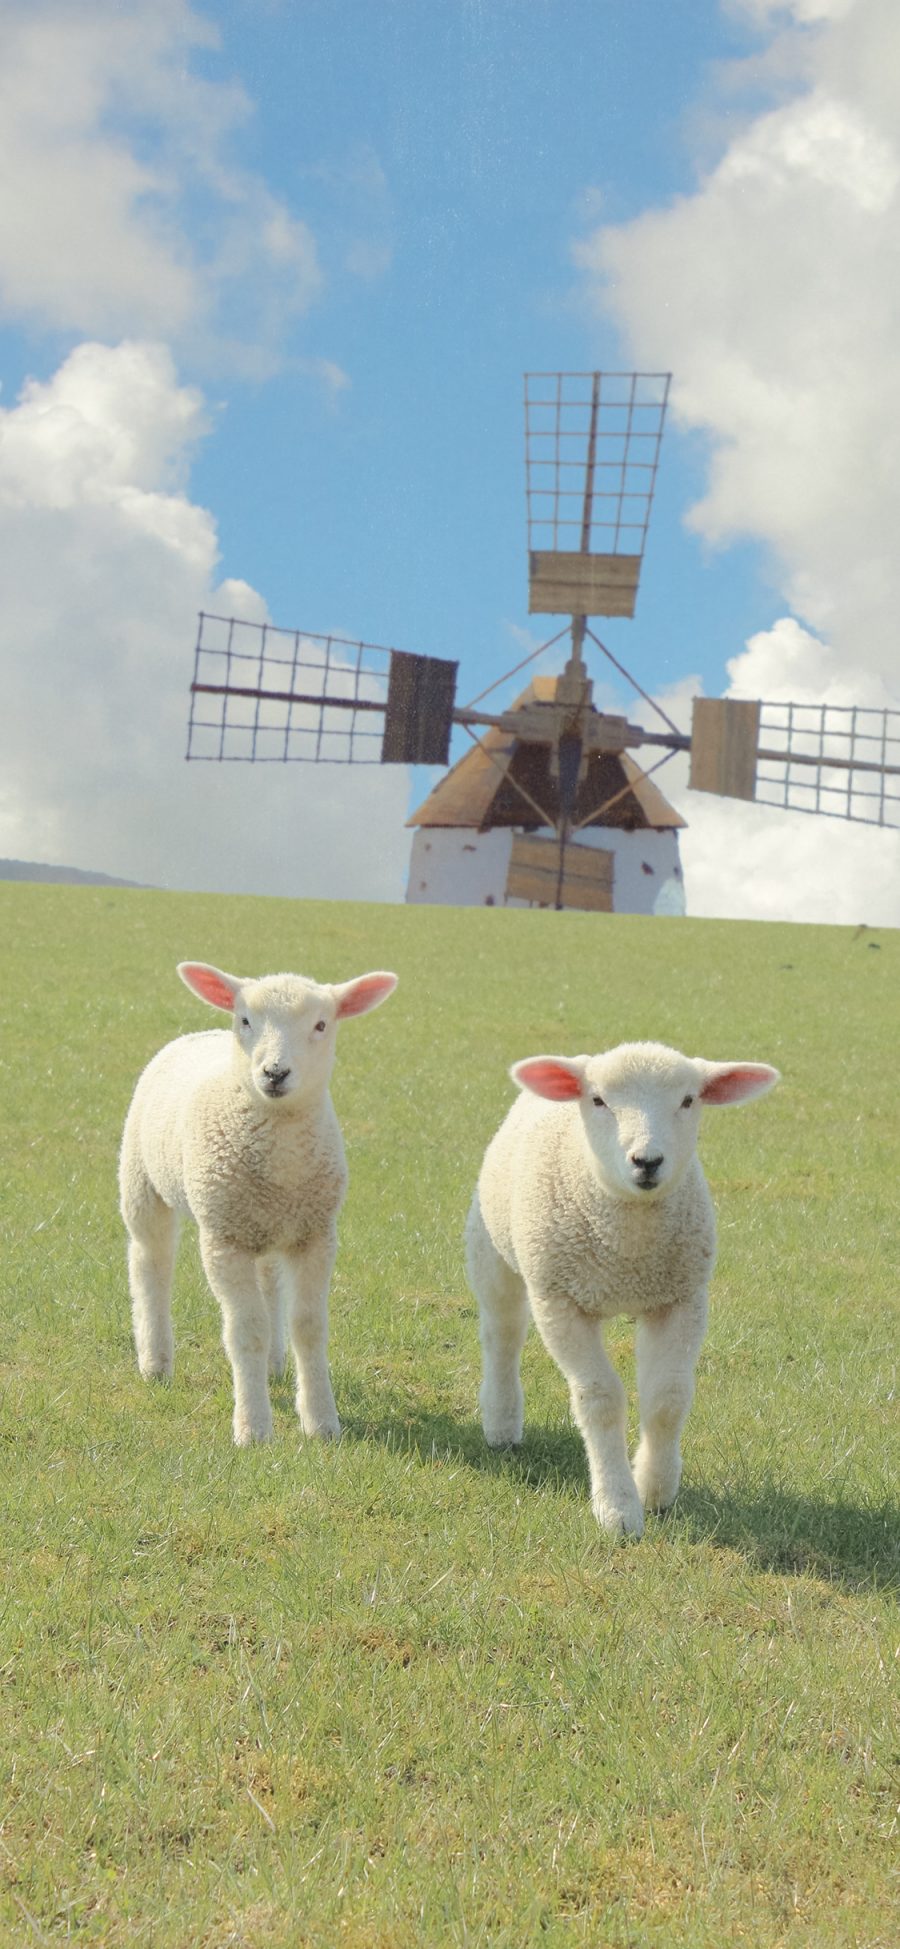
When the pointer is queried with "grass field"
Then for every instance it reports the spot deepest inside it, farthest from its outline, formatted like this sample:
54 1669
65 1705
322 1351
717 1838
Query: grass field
401 1691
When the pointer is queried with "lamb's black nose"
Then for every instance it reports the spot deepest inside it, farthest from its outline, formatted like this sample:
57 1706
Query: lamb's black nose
275 1075
647 1167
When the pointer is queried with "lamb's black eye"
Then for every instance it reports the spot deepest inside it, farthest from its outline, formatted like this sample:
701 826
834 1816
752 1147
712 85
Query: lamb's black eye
599 1102
321 1026
245 1021
687 1102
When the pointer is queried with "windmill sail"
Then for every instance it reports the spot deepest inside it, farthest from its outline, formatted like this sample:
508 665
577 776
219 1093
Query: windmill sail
842 761
263 695
592 443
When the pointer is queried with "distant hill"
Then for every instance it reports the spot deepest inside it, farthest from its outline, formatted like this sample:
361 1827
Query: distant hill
29 869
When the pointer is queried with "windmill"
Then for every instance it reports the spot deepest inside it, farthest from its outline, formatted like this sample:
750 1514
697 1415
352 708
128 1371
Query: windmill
559 767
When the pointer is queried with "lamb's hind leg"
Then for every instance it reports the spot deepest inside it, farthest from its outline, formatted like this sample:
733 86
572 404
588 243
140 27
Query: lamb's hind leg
504 1320
667 1345
152 1246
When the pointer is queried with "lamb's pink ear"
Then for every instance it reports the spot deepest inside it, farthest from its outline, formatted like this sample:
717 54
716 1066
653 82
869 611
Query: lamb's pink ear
560 1080
212 986
367 991
736 1082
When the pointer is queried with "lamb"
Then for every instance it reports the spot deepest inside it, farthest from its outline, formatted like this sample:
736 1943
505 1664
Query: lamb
236 1129
592 1202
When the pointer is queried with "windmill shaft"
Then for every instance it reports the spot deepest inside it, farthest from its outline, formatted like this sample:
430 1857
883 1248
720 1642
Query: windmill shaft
673 740
677 742
559 903
548 723
579 622
591 468
288 697
837 764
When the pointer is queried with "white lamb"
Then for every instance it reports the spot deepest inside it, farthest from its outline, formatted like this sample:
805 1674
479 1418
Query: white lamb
237 1130
592 1202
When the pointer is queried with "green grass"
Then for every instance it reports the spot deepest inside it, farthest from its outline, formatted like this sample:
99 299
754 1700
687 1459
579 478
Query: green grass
401 1690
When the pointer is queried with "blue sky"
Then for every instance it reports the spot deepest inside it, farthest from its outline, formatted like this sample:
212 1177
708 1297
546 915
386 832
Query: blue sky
270 275
473 144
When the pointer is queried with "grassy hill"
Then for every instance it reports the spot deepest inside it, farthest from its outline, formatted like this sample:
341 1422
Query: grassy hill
34 870
401 1690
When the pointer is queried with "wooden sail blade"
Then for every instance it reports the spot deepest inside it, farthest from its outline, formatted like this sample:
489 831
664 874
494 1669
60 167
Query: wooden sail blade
724 741
563 583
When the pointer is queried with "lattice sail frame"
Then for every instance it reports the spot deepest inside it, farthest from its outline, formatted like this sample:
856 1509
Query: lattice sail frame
275 696
629 428
862 783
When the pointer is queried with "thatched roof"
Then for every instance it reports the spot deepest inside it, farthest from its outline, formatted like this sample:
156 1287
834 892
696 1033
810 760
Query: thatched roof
481 790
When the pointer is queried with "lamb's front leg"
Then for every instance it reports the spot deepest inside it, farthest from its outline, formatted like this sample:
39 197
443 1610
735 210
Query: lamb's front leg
667 1345
268 1272
246 1331
598 1406
308 1277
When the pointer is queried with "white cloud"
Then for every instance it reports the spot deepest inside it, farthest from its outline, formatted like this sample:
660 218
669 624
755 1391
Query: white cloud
125 214
774 294
115 158
102 426
104 562
806 12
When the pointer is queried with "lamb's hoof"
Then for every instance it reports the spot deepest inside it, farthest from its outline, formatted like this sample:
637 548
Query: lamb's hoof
619 1519
245 1434
156 1370
659 1505
322 1430
657 1486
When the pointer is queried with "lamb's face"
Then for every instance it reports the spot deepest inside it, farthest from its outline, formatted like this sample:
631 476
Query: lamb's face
284 1030
640 1105
284 1025
641 1119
